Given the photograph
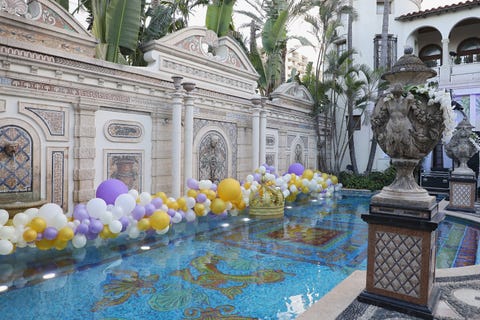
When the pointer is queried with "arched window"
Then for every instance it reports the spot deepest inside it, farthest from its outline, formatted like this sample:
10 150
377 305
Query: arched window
432 55
469 50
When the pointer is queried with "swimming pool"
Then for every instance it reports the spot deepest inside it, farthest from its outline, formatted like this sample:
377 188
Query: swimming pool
215 268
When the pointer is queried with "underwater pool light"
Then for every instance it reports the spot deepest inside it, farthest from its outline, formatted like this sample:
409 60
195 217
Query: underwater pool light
225 225
49 276
3 288
246 219
145 248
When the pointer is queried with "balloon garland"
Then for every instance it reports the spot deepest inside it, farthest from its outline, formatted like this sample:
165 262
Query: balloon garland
116 210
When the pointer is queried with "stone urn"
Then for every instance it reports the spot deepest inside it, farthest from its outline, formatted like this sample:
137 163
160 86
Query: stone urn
461 148
407 125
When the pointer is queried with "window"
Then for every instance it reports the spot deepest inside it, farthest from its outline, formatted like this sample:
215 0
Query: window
341 47
431 55
391 51
381 5
468 50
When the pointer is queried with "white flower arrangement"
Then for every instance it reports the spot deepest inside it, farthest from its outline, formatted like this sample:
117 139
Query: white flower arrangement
433 96
475 140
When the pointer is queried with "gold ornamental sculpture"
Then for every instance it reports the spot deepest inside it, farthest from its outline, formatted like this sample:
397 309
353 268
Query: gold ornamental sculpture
267 201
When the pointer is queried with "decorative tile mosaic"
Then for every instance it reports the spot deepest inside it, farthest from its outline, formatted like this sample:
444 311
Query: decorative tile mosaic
16 171
398 261
126 166
213 157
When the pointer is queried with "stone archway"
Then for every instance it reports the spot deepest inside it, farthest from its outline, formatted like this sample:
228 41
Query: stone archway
213 157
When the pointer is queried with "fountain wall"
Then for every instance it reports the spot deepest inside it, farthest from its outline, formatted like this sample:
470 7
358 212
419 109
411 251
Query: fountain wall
77 120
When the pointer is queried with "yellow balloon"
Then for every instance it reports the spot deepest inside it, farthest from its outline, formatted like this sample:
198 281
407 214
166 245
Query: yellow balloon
59 244
192 193
182 203
65 234
247 185
229 189
241 205
44 244
324 185
159 220
305 190
143 224
162 196
218 206
29 235
199 209
105 233
334 179
307 174
211 194
38 224
172 204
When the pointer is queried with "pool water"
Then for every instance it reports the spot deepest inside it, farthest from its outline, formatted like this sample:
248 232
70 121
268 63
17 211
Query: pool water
214 268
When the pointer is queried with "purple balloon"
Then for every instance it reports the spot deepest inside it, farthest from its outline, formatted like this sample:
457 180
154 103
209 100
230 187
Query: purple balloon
296 168
213 187
192 183
80 213
149 209
171 212
110 189
138 212
91 235
124 221
81 228
257 177
201 197
39 236
157 202
95 226
50 233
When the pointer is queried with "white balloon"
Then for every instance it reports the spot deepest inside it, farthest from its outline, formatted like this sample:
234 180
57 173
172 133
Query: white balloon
190 202
190 215
115 226
133 232
249 178
79 241
20 219
59 221
145 198
176 218
96 206
3 217
126 202
5 247
106 217
164 230
48 211
133 193
31 213
117 212
203 184
7 232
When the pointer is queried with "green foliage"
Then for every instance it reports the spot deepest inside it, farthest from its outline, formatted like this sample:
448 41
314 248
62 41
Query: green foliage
63 3
115 25
374 181
219 16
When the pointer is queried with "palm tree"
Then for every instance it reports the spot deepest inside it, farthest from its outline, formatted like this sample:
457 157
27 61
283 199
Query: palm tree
272 18
324 25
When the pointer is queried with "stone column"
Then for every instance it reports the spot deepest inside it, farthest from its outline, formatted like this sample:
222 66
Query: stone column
255 132
263 132
445 70
188 143
177 98
84 152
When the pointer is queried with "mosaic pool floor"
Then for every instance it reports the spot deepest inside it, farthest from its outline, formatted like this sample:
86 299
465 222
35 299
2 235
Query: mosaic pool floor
216 268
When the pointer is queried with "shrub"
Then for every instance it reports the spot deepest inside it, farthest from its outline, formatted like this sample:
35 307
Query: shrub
373 181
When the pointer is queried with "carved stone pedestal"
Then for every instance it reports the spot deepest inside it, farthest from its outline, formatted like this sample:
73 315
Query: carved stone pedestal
401 261
463 190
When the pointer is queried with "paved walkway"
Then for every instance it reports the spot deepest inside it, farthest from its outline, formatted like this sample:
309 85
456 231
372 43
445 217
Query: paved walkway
459 297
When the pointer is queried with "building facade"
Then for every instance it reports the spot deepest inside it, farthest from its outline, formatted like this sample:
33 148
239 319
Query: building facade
445 36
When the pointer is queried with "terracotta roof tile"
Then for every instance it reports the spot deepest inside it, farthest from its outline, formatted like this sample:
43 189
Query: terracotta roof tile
439 10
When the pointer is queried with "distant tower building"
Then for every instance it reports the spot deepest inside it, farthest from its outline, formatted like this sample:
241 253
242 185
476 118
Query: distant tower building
296 61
